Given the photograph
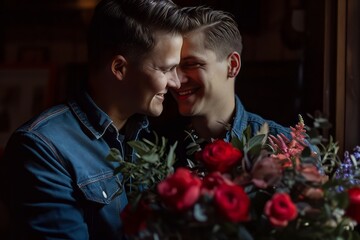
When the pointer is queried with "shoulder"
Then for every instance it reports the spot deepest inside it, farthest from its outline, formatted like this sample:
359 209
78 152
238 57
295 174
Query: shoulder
45 119
36 134
53 122
256 121
243 119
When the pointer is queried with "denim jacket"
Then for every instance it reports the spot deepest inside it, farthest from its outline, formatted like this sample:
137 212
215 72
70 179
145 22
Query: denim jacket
60 184
243 119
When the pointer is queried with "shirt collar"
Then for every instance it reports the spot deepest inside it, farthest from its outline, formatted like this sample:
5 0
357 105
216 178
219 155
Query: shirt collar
90 115
240 121
95 120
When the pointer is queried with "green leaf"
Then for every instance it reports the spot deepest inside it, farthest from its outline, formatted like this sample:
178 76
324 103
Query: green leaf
199 213
190 163
139 147
342 200
170 159
255 150
114 155
243 233
163 144
247 133
192 145
118 170
256 140
151 157
237 143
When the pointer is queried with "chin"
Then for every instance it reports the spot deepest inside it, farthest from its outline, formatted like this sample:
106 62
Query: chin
155 112
186 112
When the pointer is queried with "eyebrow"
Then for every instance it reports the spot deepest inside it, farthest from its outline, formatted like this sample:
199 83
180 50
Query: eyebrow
166 67
192 58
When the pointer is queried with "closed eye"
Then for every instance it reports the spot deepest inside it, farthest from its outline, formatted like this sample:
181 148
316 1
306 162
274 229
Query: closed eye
169 69
191 65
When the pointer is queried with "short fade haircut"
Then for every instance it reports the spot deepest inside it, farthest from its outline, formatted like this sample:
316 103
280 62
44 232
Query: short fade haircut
221 33
127 27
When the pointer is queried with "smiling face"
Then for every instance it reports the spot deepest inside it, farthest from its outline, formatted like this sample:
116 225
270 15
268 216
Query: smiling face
150 78
205 87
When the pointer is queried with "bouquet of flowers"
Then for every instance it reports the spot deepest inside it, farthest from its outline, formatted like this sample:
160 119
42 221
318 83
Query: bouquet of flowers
257 187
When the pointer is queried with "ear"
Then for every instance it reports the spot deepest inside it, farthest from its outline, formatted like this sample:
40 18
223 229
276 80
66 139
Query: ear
234 64
118 67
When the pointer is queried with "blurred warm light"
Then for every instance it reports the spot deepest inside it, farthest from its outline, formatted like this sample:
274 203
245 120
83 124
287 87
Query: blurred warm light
82 4
86 4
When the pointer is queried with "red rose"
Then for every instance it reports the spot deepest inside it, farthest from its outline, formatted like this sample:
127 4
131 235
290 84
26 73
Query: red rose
135 218
212 181
280 210
353 209
232 202
180 190
220 156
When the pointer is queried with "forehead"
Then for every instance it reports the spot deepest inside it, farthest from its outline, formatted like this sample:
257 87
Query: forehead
194 41
166 40
194 47
166 50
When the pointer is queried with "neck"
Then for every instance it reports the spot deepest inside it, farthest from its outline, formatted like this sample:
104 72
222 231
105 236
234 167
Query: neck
208 129
118 120
215 125
107 103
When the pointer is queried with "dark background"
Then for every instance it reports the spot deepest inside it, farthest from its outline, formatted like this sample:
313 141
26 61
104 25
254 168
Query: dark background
281 73
282 62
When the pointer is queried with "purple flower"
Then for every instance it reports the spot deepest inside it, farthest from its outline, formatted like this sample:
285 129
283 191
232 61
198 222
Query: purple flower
356 153
347 169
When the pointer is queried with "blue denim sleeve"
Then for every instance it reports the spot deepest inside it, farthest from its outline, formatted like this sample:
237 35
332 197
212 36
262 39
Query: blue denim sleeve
41 193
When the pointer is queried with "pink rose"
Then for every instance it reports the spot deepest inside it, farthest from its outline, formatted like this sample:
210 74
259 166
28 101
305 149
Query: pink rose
280 210
313 193
311 173
220 156
232 202
180 190
266 172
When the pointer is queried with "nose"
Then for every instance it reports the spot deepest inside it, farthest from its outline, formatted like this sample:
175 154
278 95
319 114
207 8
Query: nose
174 81
181 75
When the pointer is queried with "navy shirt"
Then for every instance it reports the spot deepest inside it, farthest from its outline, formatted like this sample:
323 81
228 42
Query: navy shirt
60 185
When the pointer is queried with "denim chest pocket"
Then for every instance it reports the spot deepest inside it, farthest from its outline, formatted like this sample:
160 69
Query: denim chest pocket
101 189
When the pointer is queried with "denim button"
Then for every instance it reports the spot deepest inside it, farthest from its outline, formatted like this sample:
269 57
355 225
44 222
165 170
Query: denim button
104 194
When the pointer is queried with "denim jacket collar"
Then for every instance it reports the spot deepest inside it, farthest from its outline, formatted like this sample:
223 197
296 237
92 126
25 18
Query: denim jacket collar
96 121
240 121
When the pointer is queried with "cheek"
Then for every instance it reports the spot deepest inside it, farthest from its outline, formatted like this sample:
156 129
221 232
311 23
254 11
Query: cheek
159 84
155 84
196 76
